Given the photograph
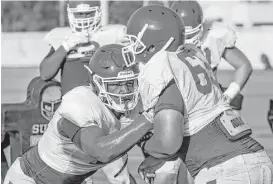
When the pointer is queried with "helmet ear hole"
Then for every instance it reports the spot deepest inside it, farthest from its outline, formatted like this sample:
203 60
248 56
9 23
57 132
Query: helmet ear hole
151 49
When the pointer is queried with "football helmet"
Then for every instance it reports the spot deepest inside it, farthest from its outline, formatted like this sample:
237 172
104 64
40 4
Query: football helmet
82 16
115 84
192 15
50 101
150 29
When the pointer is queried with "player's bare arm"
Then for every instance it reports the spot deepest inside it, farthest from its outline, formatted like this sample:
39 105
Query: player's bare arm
240 62
168 134
51 64
106 147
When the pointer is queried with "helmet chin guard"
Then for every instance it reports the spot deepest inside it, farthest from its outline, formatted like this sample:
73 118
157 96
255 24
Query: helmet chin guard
193 34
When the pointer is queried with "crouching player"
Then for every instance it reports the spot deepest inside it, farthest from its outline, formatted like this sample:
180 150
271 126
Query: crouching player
83 135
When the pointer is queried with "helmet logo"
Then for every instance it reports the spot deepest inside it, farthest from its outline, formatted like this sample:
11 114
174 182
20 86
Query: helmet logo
125 74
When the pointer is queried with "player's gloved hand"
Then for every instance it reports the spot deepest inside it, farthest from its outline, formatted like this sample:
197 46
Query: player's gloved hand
148 167
236 102
72 41
232 90
143 140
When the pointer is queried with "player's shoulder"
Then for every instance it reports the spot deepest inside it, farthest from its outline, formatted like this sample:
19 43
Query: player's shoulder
217 29
82 106
56 36
109 34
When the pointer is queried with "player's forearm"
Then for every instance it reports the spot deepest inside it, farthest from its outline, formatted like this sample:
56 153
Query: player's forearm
111 146
242 74
50 66
240 62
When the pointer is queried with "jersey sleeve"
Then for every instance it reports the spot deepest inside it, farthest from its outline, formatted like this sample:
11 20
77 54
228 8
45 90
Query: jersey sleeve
170 98
218 37
83 108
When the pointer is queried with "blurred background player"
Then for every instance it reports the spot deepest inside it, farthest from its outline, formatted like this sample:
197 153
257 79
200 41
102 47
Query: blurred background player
217 41
84 133
72 47
205 131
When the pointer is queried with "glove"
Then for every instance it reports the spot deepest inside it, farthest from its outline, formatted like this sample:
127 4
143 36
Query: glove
148 167
72 41
143 140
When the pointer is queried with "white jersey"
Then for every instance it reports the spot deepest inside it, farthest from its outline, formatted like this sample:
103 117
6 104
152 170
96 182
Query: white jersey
83 108
195 80
216 37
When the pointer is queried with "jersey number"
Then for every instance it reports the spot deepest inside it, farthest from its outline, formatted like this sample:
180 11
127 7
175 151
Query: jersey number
202 79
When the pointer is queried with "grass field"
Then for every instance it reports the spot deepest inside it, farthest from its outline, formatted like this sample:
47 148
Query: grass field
257 93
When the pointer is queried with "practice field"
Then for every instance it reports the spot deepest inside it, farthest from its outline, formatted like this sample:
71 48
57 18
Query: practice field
255 107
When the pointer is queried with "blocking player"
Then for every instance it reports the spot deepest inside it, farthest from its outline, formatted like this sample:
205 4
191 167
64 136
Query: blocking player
71 49
217 41
84 134
205 132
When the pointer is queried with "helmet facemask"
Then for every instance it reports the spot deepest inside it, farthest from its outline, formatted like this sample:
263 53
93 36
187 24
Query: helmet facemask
51 100
84 24
192 35
135 46
120 102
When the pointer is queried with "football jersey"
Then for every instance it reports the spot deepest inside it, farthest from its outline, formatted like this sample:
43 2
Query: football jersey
83 108
216 37
73 72
195 80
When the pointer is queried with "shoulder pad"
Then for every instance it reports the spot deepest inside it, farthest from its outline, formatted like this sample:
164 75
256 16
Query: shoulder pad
152 83
109 34
224 33
57 35
83 108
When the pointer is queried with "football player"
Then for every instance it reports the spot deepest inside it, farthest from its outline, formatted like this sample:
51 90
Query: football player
199 126
84 134
217 41
72 47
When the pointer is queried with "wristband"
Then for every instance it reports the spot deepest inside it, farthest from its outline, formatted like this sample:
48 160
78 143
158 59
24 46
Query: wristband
232 90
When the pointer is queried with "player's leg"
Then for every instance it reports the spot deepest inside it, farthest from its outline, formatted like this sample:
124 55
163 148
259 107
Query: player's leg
247 168
16 175
167 174
117 172
184 176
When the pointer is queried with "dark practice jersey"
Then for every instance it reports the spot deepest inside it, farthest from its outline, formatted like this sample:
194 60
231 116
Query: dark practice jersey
73 72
